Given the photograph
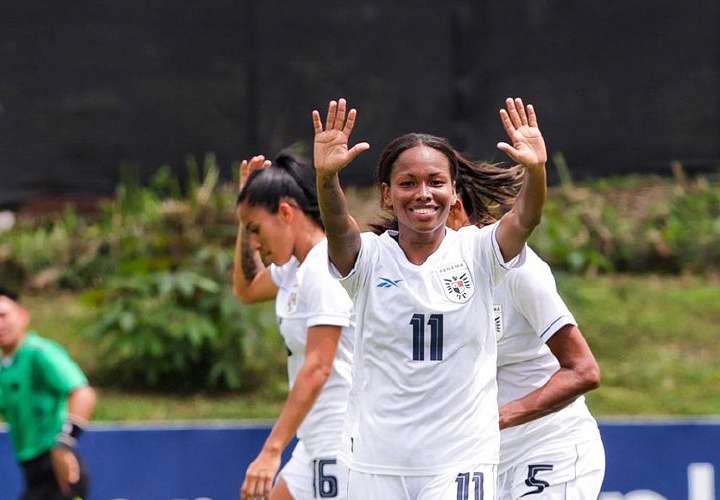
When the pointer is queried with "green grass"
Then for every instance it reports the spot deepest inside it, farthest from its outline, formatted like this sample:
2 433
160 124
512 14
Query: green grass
655 337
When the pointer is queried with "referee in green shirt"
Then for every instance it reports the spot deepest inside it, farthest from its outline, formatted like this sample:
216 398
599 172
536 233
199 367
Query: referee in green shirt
45 400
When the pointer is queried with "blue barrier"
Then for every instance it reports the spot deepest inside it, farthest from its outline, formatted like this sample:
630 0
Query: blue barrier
645 461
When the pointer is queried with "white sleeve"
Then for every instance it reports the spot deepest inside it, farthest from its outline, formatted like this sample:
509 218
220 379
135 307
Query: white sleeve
357 278
535 296
328 302
278 274
488 256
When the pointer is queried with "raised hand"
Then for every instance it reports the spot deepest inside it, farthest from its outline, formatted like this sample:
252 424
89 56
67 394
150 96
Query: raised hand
331 143
247 167
528 145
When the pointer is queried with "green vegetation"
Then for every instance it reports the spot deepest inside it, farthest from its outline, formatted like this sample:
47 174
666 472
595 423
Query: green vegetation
655 339
654 336
140 293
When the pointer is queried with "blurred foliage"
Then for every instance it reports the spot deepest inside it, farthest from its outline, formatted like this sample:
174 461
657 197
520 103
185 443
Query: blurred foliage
632 224
655 337
636 224
180 329
154 265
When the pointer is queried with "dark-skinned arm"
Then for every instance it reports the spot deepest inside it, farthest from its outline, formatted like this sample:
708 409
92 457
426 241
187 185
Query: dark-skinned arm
578 374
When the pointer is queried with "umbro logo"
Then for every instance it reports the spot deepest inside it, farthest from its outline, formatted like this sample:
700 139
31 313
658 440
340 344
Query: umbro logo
387 283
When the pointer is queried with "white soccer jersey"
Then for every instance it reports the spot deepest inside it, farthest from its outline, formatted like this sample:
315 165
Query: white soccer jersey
308 296
528 312
424 395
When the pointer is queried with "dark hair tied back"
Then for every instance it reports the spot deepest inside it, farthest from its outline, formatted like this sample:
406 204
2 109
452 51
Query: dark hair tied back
485 189
288 178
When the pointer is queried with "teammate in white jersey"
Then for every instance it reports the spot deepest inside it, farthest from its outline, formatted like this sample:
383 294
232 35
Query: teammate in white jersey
422 419
280 223
550 446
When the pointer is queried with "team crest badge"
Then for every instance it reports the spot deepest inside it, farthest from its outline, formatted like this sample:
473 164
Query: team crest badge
457 283
292 302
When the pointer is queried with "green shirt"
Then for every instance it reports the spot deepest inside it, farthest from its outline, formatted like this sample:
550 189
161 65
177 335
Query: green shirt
35 384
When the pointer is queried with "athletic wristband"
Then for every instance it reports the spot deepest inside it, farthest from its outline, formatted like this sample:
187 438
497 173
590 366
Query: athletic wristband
71 431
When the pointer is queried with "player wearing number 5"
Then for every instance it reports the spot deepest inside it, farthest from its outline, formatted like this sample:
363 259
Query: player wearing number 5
422 417
280 223
550 445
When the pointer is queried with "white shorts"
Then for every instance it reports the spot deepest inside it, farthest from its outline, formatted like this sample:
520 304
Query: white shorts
472 483
572 473
314 477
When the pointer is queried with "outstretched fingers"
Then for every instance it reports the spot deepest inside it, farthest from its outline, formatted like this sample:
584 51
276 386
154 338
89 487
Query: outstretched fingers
532 117
340 118
332 113
521 110
513 112
357 149
350 123
507 123
317 122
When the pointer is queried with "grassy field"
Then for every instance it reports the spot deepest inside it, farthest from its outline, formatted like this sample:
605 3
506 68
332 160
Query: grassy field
656 339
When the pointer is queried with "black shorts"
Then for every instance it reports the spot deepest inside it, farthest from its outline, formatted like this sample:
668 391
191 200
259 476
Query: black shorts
41 484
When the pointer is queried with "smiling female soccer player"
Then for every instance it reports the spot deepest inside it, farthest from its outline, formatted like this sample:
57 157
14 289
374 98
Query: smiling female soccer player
422 419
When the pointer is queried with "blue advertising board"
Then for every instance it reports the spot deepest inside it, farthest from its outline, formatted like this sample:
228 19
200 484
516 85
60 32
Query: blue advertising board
645 461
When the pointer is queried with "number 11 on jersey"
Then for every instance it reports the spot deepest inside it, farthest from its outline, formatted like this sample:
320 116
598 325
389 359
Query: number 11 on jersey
435 322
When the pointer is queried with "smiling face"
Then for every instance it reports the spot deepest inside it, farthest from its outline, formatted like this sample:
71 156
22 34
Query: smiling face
270 234
421 190
14 320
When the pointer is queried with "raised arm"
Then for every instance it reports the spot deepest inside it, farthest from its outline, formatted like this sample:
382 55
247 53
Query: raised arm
332 155
251 278
527 149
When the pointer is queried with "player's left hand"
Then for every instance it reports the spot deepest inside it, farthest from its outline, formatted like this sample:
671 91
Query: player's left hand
259 476
521 125
66 467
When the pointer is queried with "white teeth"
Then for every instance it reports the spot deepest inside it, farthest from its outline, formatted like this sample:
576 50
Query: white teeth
424 211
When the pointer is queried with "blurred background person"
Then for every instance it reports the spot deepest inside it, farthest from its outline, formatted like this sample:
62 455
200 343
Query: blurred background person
46 401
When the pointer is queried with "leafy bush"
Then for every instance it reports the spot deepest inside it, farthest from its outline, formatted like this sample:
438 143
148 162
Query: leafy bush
182 329
635 224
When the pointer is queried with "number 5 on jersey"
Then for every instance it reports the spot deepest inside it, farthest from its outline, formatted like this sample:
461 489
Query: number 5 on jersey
435 322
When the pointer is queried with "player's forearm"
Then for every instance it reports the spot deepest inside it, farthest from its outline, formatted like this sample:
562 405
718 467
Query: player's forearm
342 231
81 404
518 224
302 396
246 265
564 387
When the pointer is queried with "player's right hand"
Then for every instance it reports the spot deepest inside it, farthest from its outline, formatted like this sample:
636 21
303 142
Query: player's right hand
247 167
331 153
66 468
259 476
